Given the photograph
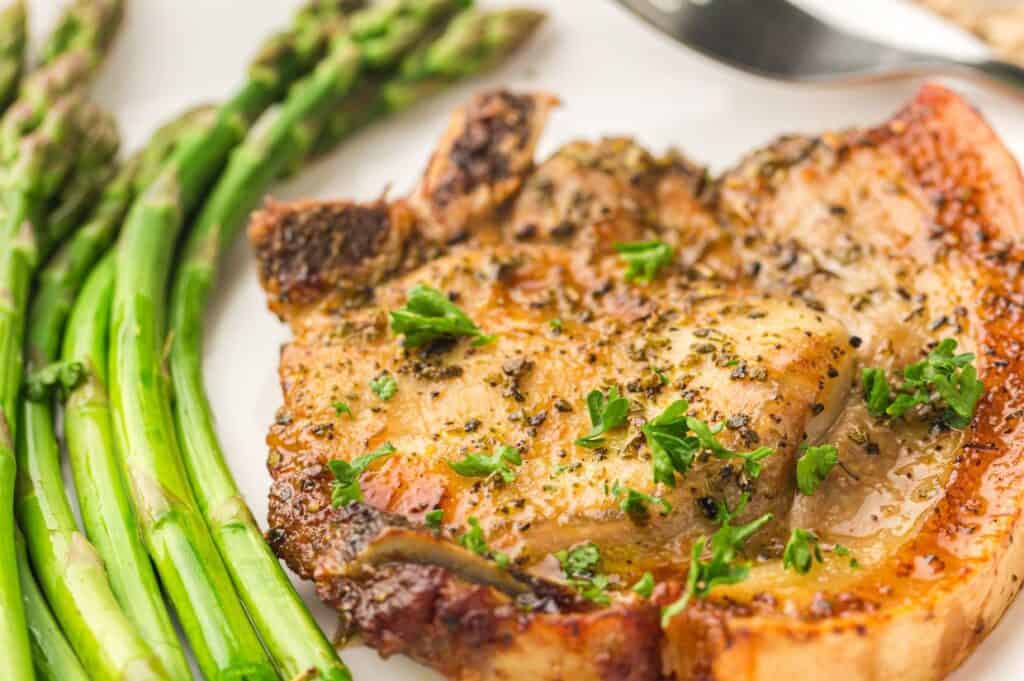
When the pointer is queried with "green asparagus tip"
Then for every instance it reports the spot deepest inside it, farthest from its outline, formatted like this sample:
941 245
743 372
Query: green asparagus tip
86 25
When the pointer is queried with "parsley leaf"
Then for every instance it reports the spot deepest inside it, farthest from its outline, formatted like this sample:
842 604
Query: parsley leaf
942 378
635 502
433 518
342 408
843 551
428 315
607 412
60 377
579 564
645 586
813 467
876 390
580 561
346 475
675 439
671 449
801 551
721 567
384 386
481 465
474 540
644 258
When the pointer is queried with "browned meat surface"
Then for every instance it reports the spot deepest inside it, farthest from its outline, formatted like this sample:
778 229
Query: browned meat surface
812 258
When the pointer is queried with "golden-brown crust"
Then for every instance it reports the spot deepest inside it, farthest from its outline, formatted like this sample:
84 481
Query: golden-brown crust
912 616
480 161
927 607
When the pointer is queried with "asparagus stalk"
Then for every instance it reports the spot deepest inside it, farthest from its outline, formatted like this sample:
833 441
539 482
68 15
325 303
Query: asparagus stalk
38 170
68 567
94 167
474 43
13 37
175 535
77 584
85 26
102 497
54 660
287 629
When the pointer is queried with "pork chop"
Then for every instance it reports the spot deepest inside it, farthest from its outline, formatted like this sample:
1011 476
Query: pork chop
812 259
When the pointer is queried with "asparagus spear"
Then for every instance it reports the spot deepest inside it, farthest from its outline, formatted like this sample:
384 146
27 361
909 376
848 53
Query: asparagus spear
38 169
68 567
13 37
173 529
54 660
474 42
73 55
102 497
288 631
86 25
77 585
93 168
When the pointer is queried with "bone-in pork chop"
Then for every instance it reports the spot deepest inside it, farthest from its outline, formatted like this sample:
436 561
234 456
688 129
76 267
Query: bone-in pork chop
517 400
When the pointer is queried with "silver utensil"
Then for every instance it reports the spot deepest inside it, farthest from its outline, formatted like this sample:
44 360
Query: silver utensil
776 39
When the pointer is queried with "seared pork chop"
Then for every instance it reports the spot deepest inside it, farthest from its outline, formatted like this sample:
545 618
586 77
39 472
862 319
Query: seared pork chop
812 259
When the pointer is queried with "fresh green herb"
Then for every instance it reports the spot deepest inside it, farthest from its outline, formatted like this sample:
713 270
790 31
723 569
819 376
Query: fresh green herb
801 551
721 567
942 378
580 567
594 590
384 386
59 377
428 315
675 439
474 540
661 376
434 518
844 552
876 390
645 587
342 408
635 503
556 324
346 475
607 412
813 467
644 258
482 465
580 561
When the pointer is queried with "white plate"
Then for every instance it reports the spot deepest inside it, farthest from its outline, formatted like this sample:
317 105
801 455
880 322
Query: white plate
614 74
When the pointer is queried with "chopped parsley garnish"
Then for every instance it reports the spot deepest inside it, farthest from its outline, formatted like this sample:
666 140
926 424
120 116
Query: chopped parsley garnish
429 315
813 467
556 324
645 586
635 503
579 564
675 440
942 379
801 551
607 412
474 540
342 408
721 567
59 377
482 465
346 475
433 518
841 550
644 258
384 386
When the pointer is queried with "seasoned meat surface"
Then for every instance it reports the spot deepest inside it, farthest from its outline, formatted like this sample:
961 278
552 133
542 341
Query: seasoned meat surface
812 258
